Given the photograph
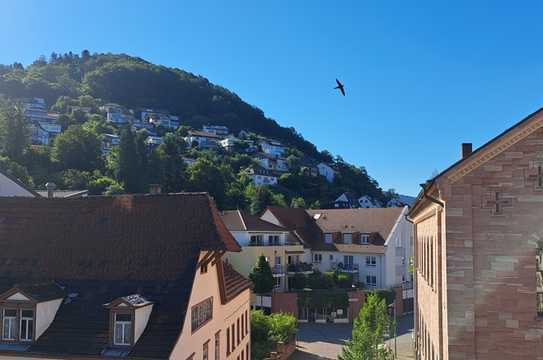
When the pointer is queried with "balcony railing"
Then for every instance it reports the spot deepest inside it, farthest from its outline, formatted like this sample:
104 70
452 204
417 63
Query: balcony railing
278 269
345 267
300 267
272 243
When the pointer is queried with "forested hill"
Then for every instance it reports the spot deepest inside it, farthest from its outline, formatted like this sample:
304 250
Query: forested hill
136 83
76 88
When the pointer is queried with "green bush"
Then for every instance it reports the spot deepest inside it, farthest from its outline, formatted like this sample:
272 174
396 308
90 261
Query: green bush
344 281
267 330
281 326
100 186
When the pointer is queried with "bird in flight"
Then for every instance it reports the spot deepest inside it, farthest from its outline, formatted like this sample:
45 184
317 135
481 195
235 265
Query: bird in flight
340 87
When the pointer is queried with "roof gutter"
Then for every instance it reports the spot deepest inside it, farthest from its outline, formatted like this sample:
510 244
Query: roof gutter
431 198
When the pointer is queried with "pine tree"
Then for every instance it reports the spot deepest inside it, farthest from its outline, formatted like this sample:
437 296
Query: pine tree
262 276
369 332
16 134
128 162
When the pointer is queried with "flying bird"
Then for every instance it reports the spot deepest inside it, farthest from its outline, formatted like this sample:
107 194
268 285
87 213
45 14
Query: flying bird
340 87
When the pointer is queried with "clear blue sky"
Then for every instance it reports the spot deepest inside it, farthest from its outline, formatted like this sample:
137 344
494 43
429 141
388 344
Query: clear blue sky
420 79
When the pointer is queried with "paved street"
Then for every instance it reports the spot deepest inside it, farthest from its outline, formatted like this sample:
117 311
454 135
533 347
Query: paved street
324 342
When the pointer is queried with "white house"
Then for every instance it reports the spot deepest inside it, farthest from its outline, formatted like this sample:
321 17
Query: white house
160 119
327 171
153 141
272 147
218 130
272 163
261 176
156 296
203 140
119 117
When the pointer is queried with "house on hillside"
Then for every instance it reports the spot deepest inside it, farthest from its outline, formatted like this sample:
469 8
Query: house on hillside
11 186
134 276
401 200
478 246
260 176
109 141
202 140
272 147
273 163
119 116
346 200
327 171
161 119
368 202
258 237
153 141
218 130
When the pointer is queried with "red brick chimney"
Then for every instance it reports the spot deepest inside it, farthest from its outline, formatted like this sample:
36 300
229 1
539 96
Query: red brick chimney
467 149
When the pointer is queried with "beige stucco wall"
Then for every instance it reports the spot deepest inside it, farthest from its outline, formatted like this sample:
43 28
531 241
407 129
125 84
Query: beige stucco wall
10 188
206 285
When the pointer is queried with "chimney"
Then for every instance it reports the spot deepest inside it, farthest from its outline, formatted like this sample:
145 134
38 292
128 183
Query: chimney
155 189
466 150
51 187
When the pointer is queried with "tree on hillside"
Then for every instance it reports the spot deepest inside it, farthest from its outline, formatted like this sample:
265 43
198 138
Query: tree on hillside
206 175
128 172
15 132
170 163
262 277
369 332
298 202
78 149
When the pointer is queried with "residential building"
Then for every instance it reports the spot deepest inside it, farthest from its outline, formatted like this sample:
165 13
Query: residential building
260 176
153 141
111 277
229 143
373 245
218 130
43 133
367 202
478 248
119 117
258 237
269 162
161 119
327 171
401 200
202 140
109 141
11 186
346 201
272 147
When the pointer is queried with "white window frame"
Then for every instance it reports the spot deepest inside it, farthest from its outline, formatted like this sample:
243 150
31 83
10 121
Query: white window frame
317 258
126 330
29 335
328 238
371 261
372 284
12 326
347 238
365 239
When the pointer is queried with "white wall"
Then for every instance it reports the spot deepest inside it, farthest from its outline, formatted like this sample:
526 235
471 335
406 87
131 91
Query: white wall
141 319
9 187
205 286
45 314
398 251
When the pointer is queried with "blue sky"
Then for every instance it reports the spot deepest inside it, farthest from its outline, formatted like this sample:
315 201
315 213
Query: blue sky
420 79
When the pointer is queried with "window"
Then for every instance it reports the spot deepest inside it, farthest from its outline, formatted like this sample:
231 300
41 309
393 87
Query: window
365 239
277 282
331 257
348 261
205 351
371 261
371 280
9 325
317 258
233 337
238 329
203 268
273 240
218 346
247 351
27 325
227 341
328 238
246 322
257 240
123 329
347 238
201 313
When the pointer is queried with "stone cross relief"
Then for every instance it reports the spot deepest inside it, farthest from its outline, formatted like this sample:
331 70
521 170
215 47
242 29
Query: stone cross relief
497 202
534 174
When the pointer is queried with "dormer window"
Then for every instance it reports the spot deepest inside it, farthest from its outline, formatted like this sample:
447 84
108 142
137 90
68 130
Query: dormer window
123 330
365 239
347 238
24 317
128 319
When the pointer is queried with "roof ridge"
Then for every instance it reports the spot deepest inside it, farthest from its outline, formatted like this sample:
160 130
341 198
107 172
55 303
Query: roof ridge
242 220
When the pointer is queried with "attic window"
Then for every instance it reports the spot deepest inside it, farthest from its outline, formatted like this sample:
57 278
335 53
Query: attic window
9 325
328 238
123 329
347 238
365 239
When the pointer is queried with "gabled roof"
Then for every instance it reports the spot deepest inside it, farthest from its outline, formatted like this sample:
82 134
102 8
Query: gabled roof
298 221
36 291
203 134
18 182
365 221
98 249
238 220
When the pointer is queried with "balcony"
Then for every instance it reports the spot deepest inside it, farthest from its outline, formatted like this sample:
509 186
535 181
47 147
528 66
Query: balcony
300 267
278 270
347 268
